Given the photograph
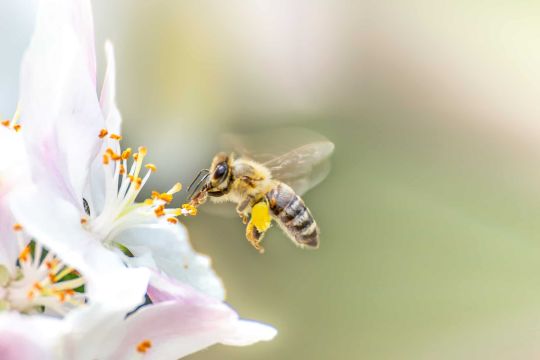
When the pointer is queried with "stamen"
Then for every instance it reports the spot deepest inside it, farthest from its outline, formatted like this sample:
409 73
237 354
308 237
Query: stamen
5 123
144 346
103 133
17 227
151 167
17 127
115 137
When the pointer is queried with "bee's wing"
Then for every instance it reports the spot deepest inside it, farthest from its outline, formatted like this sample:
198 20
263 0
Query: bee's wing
301 167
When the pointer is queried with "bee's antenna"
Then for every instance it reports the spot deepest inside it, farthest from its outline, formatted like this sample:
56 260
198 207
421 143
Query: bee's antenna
206 171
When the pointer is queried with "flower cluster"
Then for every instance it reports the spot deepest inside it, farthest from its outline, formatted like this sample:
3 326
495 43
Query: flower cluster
87 270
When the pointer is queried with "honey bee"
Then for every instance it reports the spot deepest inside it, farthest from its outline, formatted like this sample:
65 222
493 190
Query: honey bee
268 190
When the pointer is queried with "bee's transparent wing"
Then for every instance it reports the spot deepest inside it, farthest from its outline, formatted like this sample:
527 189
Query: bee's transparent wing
303 168
298 157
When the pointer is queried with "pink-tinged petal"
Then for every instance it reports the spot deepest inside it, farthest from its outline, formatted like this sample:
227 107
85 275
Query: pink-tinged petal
8 241
55 223
167 249
28 337
59 108
187 323
13 174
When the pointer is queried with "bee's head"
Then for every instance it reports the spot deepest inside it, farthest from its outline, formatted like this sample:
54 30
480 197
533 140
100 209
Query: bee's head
220 180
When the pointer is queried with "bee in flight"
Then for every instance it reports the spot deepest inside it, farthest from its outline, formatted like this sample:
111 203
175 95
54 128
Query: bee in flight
266 190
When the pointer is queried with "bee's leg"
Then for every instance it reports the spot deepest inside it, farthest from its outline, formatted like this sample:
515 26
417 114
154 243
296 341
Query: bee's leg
255 237
258 224
241 208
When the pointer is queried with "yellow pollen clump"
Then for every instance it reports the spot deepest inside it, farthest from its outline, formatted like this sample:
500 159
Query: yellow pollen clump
6 123
151 167
105 159
17 227
115 137
83 221
143 346
103 133
122 169
191 210
17 127
260 216
172 220
142 150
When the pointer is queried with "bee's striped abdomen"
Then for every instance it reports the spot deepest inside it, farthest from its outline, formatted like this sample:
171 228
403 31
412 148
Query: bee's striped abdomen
293 216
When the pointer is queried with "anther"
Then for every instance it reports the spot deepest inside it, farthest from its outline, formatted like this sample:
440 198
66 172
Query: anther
115 137
17 227
151 167
144 346
6 123
103 133
17 127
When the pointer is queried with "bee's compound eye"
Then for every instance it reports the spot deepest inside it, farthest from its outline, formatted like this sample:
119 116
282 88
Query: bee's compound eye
221 170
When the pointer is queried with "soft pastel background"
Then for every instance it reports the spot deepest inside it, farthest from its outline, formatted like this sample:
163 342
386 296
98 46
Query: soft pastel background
430 216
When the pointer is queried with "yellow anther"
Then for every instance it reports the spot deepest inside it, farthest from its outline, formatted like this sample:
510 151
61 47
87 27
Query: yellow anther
17 227
160 211
103 133
144 346
136 156
166 197
5 123
142 150
25 253
17 127
122 169
172 220
176 188
115 137
151 167
83 221
126 154
138 183
105 159
148 202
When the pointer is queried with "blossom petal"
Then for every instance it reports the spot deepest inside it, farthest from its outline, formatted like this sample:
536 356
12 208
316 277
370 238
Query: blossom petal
167 248
190 321
28 337
13 173
55 223
113 119
58 101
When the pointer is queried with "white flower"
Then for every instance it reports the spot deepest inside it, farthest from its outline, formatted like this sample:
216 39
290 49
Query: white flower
86 189
180 322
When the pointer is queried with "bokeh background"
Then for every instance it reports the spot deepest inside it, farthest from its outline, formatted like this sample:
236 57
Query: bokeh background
430 216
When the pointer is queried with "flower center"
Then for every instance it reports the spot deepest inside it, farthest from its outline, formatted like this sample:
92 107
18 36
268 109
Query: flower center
122 188
40 282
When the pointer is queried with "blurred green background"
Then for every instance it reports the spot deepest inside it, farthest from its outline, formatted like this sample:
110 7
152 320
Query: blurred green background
430 233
